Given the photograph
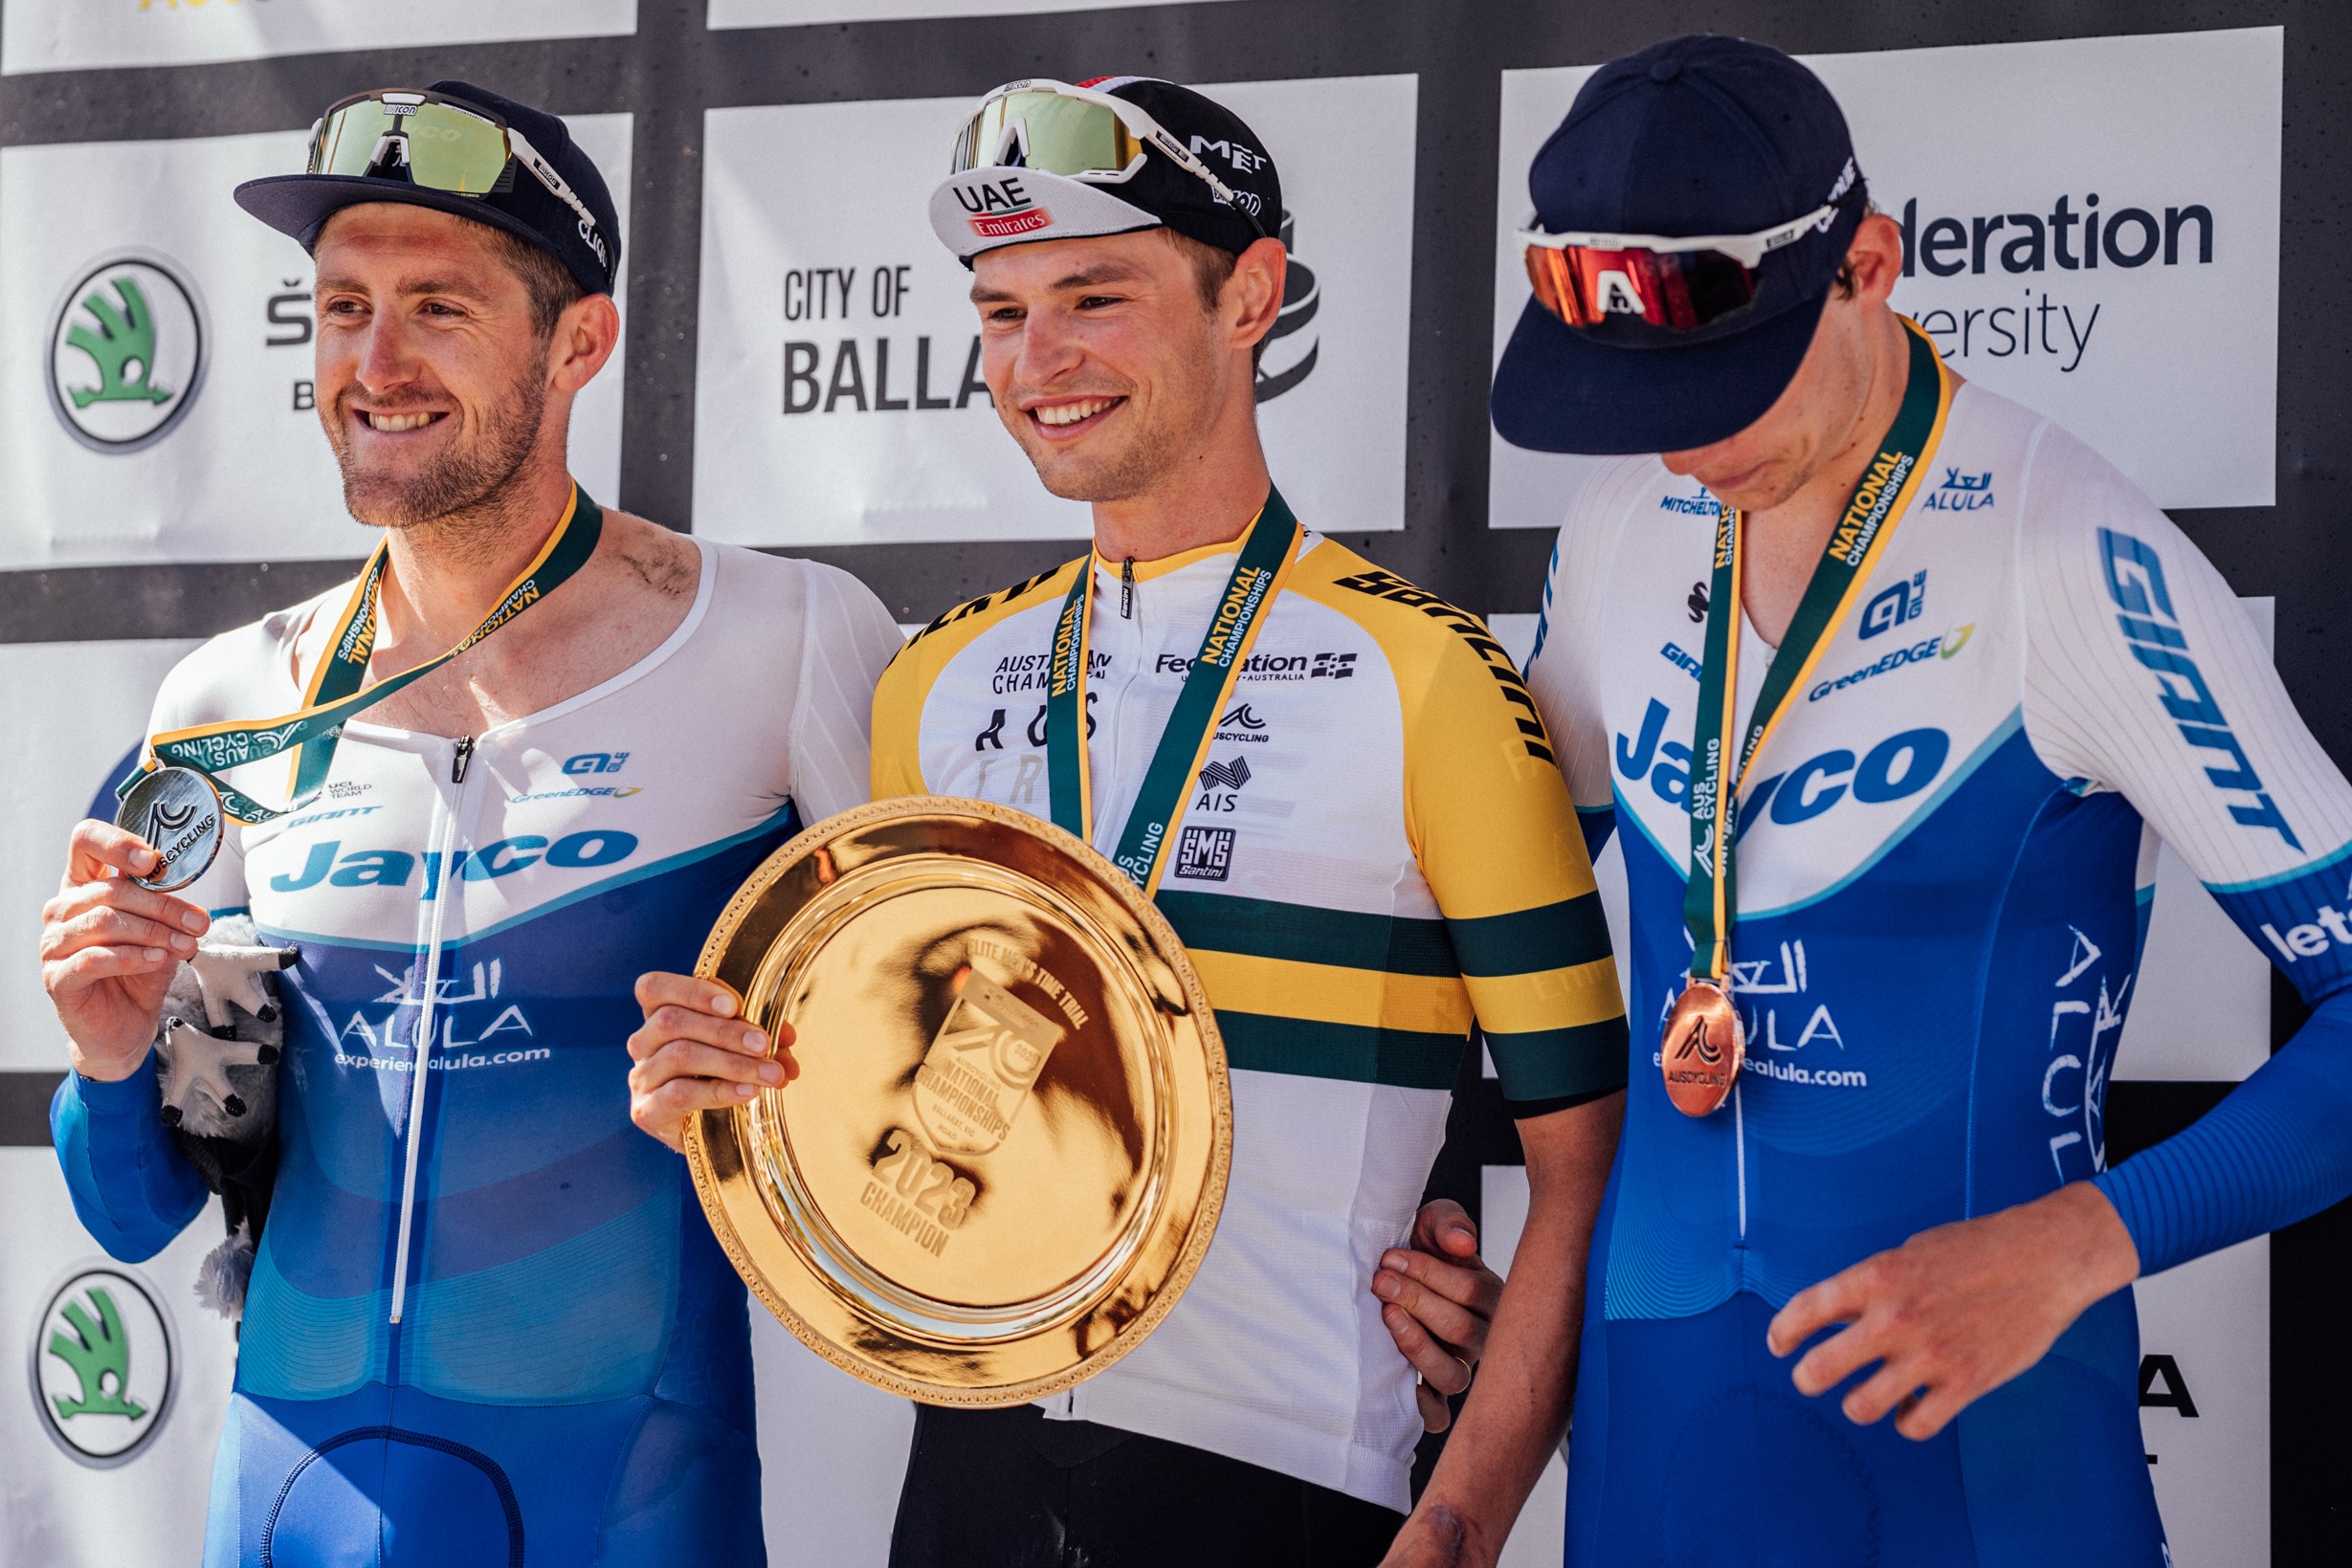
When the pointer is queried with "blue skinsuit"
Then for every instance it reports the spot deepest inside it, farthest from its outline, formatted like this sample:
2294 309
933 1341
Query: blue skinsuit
1944 859
568 1378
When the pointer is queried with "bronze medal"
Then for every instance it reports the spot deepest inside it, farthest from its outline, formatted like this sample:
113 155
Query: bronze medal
1703 1047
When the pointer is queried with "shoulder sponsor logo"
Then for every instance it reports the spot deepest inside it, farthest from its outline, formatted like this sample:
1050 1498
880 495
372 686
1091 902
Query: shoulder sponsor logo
104 1366
1960 493
2136 584
127 350
2313 938
1700 505
1381 584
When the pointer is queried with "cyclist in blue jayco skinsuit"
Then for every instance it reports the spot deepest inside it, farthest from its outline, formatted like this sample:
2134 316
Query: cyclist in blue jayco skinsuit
487 1323
1872 1306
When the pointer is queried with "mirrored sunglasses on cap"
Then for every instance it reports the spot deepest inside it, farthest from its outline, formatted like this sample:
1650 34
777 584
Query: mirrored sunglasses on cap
1077 133
441 143
1680 284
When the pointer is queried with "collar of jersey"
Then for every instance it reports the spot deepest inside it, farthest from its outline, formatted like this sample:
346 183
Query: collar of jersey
1146 570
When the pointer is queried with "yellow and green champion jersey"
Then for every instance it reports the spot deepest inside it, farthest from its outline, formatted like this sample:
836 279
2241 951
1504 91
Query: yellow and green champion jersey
1378 852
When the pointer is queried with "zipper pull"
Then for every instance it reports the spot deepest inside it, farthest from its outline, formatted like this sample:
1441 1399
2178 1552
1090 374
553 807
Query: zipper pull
1127 589
458 762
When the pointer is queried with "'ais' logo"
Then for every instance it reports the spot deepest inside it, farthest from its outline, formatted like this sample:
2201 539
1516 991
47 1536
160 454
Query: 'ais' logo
126 352
102 1366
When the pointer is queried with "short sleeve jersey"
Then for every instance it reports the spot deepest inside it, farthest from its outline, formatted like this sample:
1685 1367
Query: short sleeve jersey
1378 854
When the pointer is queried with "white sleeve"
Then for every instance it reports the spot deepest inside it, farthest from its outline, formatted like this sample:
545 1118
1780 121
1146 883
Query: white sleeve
846 639
1564 673
2145 676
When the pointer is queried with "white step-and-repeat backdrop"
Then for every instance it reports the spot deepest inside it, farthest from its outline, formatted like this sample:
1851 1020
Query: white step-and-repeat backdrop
2095 229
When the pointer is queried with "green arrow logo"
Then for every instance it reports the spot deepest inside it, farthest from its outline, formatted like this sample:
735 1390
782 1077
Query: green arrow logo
100 1356
122 347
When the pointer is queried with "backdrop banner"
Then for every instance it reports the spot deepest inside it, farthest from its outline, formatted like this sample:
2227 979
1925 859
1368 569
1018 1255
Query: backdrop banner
2108 206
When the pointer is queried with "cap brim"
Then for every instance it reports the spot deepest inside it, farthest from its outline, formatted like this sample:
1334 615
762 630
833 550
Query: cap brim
299 205
1557 390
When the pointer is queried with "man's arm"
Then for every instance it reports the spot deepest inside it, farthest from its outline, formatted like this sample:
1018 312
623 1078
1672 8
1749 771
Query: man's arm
1519 1408
2144 676
109 949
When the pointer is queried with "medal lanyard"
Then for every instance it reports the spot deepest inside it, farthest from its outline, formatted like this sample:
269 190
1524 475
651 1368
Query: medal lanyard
1267 553
1709 902
334 696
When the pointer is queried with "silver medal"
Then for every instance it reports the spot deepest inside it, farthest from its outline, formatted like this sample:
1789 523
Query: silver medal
178 811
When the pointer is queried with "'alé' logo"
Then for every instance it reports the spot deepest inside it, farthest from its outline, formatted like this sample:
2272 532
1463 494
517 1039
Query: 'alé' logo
126 352
102 1366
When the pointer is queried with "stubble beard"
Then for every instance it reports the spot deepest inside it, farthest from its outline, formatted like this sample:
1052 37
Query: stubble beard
471 477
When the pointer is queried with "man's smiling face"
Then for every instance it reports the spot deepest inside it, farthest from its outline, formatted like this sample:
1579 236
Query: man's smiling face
431 369
1104 361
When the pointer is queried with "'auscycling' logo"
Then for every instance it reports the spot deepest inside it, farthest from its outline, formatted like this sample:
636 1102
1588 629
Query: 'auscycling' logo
102 1366
126 352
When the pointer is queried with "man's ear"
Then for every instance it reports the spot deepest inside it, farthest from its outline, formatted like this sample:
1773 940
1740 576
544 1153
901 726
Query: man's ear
1877 258
1254 291
585 336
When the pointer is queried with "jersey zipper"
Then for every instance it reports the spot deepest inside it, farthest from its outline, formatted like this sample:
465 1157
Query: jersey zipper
427 1007
1127 589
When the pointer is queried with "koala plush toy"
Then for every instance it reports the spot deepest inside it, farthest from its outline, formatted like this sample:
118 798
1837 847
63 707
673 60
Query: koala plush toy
216 1060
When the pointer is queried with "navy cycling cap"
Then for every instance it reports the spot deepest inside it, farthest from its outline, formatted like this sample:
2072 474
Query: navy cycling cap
1697 135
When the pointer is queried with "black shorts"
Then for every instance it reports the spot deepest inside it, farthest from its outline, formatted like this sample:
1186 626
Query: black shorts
1008 1489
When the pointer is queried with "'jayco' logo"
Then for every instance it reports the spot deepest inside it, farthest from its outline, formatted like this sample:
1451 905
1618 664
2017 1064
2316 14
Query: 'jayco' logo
102 1366
126 352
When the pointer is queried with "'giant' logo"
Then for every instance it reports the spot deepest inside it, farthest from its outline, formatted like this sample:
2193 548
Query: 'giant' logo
102 1366
126 352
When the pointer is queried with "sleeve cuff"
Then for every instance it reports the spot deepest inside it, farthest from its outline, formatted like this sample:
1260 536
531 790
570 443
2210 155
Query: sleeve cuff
137 1093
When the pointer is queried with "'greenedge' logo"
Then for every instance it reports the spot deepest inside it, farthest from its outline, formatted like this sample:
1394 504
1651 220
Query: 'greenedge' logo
103 1369
126 352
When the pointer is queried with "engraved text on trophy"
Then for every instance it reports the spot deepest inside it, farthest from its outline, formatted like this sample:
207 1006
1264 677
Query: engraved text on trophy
981 1067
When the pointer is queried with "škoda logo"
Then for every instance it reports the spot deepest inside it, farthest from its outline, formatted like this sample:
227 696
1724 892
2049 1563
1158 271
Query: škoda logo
126 352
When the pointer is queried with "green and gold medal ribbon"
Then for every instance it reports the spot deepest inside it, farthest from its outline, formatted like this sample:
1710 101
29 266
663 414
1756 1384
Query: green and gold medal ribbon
1709 901
334 695
1268 551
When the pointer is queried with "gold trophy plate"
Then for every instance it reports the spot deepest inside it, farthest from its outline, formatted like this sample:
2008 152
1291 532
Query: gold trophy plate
1007 1144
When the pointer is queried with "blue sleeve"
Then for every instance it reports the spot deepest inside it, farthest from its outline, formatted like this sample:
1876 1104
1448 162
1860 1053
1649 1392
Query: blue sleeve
2279 1147
132 1188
